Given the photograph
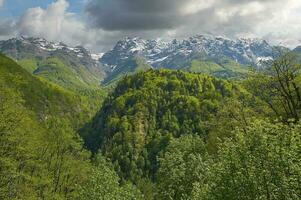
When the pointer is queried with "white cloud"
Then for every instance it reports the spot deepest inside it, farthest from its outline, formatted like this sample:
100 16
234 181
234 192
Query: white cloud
55 23
1 3
195 6
284 27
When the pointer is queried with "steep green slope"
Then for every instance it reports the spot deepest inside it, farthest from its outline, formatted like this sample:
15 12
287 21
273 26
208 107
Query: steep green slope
41 153
138 119
56 70
43 97
29 64
129 67
70 67
219 67
222 68
64 70
176 135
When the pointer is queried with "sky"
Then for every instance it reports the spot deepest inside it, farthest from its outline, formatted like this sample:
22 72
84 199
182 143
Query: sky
99 24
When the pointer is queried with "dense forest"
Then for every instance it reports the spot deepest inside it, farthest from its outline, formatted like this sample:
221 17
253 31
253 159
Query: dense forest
42 154
157 134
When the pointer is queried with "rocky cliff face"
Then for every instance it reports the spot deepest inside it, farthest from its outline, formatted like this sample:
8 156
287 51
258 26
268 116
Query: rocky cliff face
179 53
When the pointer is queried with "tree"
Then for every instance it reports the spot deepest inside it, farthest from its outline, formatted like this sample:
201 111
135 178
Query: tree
279 87
147 109
236 111
103 184
37 162
263 162
17 141
183 165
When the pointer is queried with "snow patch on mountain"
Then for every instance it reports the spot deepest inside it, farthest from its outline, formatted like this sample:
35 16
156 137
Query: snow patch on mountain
97 56
45 45
161 54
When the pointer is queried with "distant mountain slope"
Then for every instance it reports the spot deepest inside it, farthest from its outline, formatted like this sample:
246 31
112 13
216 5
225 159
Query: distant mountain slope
220 67
71 67
209 52
76 68
42 97
130 66
297 49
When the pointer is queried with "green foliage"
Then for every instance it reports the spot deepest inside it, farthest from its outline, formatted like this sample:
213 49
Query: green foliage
42 157
237 111
147 109
262 162
163 134
16 128
223 67
183 165
56 71
279 87
29 64
46 99
103 184
37 162
131 66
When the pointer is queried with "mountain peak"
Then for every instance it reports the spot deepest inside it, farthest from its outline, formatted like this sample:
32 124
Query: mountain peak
47 47
179 53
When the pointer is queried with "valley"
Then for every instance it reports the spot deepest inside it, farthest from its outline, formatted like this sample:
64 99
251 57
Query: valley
200 118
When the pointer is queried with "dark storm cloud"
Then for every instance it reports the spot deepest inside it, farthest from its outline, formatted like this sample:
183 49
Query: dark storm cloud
156 14
134 14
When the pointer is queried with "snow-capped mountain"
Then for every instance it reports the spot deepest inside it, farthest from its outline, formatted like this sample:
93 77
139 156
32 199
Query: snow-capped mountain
44 48
29 47
179 53
78 60
217 56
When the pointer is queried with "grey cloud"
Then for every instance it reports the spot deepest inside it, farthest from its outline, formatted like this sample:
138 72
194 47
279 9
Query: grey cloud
7 28
136 14
156 14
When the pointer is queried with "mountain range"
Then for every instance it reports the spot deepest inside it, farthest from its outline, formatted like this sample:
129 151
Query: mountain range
218 56
162 54
71 67
136 123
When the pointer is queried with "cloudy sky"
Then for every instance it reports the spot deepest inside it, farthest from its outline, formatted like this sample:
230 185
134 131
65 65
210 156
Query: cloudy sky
98 24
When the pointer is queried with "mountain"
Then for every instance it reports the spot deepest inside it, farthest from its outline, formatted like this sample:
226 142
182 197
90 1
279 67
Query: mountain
42 97
41 153
160 134
202 53
297 49
73 68
76 68
130 66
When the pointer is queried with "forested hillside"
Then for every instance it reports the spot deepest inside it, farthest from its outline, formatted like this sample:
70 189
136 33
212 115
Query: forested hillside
40 96
150 99
145 110
159 134
72 68
41 150
179 135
